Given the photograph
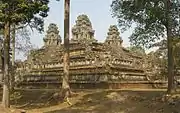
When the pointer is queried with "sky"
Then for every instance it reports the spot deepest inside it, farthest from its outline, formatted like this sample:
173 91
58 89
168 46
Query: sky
99 13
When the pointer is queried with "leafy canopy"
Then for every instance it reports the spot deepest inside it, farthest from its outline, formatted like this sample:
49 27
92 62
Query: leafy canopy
149 17
137 49
29 12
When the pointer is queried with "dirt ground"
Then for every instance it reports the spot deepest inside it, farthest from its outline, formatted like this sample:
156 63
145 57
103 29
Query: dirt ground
97 101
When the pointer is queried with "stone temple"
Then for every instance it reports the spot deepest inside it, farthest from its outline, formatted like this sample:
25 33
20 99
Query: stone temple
93 64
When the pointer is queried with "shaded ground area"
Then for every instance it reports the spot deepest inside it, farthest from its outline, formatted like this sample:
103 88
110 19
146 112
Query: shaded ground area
99 101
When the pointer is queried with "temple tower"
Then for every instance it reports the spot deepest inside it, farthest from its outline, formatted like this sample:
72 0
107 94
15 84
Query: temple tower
113 37
82 30
52 37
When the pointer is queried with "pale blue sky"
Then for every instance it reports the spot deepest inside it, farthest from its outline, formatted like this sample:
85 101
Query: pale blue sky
97 10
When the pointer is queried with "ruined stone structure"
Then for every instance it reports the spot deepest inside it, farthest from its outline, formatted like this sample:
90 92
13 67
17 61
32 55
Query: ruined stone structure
92 64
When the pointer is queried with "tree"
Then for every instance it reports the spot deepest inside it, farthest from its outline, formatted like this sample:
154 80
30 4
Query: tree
1 56
154 19
65 79
162 50
19 43
31 12
137 49
13 57
6 95
23 42
176 52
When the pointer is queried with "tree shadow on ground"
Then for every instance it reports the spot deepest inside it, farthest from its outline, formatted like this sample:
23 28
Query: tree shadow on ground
34 99
121 102
99 101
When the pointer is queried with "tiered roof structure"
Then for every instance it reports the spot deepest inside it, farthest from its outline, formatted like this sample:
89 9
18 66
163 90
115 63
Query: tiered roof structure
52 37
113 36
91 63
82 30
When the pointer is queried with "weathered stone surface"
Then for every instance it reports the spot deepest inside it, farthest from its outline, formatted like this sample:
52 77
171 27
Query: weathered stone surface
82 30
113 36
52 38
50 52
91 62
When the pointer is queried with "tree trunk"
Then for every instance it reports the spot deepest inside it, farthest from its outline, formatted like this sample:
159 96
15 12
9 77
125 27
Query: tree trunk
1 59
170 65
13 57
6 94
65 78
170 51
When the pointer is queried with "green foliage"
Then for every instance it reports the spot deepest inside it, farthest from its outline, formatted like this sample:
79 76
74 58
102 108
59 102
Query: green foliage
1 32
162 48
24 11
162 52
137 49
150 18
176 51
